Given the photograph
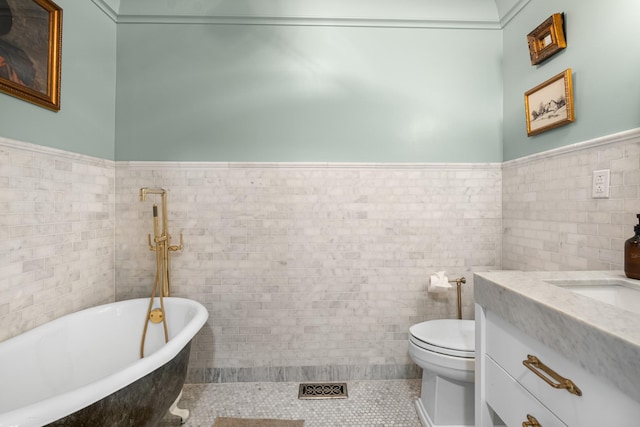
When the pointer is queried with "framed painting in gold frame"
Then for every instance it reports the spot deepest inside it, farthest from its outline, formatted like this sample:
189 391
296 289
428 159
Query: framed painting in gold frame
31 51
547 39
550 104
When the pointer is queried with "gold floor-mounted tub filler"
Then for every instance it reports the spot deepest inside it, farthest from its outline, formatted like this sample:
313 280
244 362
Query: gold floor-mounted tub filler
162 246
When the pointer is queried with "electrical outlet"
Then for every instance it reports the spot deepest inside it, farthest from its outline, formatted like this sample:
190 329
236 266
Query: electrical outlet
600 188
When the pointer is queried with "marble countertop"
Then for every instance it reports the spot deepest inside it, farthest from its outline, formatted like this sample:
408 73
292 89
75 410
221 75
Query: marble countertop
599 337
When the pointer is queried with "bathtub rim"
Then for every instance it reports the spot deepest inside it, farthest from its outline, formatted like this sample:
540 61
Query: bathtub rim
53 408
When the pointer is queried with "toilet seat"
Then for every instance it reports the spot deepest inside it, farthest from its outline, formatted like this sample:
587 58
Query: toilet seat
452 337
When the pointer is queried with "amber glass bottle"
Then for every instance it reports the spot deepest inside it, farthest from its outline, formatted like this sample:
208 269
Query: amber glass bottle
632 254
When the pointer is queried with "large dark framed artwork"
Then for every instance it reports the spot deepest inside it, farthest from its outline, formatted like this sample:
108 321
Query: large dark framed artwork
550 104
31 50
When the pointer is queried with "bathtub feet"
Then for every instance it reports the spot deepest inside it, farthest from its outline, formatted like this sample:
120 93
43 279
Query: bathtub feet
182 413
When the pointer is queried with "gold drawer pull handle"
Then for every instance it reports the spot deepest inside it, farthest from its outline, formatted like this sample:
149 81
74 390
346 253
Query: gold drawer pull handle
535 365
531 422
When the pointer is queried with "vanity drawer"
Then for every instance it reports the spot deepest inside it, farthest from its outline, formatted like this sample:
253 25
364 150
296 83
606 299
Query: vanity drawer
509 347
512 402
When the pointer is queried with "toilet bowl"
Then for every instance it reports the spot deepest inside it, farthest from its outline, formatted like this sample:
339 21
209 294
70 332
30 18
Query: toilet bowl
445 350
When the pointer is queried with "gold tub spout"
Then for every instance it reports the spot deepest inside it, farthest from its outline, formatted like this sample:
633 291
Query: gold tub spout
144 191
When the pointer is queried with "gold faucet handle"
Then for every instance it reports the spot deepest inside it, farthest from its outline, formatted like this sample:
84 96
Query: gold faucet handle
177 247
151 247
160 239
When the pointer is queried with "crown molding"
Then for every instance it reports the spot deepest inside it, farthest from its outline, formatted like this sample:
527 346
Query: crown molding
307 21
319 21
120 18
103 6
513 12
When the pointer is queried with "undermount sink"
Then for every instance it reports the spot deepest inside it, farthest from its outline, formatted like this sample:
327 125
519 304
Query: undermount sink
621 293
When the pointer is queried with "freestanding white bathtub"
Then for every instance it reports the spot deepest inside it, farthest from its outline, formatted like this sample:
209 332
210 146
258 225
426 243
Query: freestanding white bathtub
87 364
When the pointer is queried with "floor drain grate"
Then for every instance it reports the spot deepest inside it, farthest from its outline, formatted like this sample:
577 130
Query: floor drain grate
323 391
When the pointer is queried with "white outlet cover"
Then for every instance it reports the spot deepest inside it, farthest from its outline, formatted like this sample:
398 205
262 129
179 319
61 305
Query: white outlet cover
600 186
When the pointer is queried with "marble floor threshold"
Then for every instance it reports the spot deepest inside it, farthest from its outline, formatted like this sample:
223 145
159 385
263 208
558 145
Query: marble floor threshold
378 403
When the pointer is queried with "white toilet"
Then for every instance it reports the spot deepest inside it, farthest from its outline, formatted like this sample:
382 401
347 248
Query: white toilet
445 350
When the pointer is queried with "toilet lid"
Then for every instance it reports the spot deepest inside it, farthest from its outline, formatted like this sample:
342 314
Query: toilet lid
448 336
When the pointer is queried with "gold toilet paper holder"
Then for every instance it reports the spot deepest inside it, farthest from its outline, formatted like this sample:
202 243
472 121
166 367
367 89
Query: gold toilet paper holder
459 281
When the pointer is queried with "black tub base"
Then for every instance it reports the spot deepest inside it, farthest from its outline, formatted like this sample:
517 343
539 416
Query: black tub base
142 403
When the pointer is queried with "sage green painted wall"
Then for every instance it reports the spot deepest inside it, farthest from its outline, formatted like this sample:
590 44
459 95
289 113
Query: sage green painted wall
308 93
269 93
602 51
86 121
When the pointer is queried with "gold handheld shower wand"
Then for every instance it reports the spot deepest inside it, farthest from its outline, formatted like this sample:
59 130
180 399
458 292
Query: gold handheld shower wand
161 246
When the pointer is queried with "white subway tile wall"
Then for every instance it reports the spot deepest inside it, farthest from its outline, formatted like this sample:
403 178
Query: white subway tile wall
550 220
310 271
57 219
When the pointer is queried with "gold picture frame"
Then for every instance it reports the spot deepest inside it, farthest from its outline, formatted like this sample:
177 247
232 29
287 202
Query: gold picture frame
547 39
550 104
31 51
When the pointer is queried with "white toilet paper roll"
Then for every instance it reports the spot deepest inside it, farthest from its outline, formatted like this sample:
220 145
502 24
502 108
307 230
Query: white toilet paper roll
438 282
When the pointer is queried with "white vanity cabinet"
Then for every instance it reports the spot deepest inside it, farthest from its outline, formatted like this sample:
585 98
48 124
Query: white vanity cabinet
519 394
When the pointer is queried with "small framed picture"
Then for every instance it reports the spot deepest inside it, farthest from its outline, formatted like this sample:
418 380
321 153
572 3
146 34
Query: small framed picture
550 104
30 51
547 39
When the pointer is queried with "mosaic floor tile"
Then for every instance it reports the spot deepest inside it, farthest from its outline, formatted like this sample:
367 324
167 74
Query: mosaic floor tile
370 404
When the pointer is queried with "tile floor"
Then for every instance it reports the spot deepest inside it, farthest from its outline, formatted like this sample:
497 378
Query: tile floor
370 404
